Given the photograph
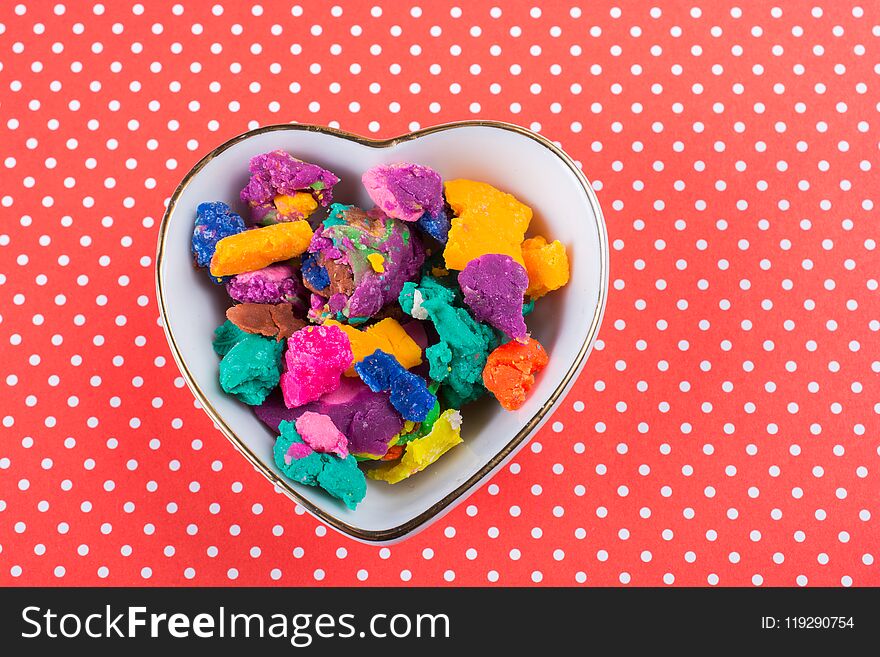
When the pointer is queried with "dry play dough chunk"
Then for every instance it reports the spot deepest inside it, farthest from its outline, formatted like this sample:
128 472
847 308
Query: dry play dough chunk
316 357
319 433
493 287
260 247
510 371
338 476
387 335
546 264
422 452
487 221
272 320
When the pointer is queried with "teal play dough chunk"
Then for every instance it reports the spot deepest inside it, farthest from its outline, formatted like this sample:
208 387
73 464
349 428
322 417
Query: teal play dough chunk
251 364
339 477
226 336
457 360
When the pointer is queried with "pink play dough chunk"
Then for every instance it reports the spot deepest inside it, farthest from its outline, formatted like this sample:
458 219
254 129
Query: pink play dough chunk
316 357
319 432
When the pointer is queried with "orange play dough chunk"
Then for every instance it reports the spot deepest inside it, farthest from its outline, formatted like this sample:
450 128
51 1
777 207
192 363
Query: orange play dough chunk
546 264
487 221
387 335
260 247
510 371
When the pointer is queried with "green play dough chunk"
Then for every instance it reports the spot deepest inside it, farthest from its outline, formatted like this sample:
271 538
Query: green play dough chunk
339 477
457 360
528 308
251 364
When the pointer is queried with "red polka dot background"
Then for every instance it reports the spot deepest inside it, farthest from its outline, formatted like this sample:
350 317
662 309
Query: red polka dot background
725 429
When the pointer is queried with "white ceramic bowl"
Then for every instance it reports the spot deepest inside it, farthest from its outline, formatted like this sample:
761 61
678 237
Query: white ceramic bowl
565 322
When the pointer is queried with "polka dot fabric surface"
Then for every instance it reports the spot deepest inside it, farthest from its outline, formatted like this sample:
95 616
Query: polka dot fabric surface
725 430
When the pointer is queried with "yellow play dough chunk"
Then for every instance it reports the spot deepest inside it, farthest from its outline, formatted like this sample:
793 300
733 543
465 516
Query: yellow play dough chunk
260 247
487 221
377 262
422 452
300 203
546 264
387 335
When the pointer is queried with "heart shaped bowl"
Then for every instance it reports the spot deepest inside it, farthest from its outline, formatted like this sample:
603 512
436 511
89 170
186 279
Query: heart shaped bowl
509 157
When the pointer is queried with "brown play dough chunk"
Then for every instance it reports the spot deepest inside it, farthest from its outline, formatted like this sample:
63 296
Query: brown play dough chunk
272 320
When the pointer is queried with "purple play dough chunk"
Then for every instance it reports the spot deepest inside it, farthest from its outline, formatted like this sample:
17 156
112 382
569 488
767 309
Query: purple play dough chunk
278 172
367 418
493 286
278 283
405 191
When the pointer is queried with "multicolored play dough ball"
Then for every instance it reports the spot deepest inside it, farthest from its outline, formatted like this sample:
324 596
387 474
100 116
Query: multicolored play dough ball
367 257
214 221
316 357
510 371
283 188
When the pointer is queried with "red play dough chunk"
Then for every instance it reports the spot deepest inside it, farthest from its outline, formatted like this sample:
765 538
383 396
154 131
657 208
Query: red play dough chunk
510 371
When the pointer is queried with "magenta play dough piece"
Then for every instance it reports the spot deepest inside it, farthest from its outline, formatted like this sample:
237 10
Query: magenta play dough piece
297 451
493 286
319 433
367 418
316 357
405 191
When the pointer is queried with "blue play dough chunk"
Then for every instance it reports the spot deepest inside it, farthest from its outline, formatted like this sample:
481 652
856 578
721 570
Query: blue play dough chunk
409 392
435 225
314 274
214 221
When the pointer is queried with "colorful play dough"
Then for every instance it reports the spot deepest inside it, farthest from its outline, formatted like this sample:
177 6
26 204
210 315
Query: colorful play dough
546 264
422 452
272 320
214 221
283 188
260 247
319 433
510 371
387 335
340 477
346 251
457 359
360 336
316 357
278 283
367 418
493 286
409 392
251 364
405 191
486 220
